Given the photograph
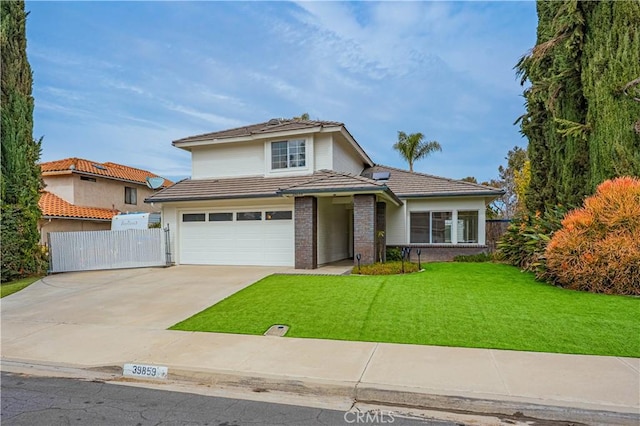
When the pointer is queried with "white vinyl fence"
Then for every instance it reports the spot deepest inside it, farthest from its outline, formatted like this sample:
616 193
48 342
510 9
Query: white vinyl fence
91 250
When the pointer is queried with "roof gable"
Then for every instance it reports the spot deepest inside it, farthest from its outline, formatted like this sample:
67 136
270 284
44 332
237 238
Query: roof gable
108 170
271 126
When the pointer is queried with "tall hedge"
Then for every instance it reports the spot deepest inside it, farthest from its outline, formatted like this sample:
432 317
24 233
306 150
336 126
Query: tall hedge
579 123
20 182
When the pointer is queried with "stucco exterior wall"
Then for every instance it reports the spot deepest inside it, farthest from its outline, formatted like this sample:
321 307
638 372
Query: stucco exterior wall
105 193
398 225
345 159
333 231
69 225
62 186
228 160
323 151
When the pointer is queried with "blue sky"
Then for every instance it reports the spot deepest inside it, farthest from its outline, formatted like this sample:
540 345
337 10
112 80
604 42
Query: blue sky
118 81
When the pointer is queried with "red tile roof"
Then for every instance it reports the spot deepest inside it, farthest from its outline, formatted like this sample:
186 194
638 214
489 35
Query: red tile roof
108 170
53 206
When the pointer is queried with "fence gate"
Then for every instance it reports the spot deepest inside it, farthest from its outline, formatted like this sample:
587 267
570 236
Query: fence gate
92 250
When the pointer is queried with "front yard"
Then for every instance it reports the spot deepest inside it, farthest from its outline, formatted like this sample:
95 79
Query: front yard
449 304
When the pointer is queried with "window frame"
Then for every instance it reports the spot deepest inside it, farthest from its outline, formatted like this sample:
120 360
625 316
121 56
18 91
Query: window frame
459 236
240 218
430 226
131 196
194 216
301 154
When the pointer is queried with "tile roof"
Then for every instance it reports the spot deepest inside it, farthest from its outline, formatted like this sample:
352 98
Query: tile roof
271 126
53 206
406 184
108 170
260 186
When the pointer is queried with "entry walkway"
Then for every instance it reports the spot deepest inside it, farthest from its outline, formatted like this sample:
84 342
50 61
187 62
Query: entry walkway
102 320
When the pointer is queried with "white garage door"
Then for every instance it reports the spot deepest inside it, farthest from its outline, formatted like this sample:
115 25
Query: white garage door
237 238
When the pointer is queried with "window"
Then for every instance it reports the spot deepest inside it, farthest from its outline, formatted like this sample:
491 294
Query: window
288 154
430 227
249 216
220 217
87 178
467 226
193 217
420 227
130 195
278 215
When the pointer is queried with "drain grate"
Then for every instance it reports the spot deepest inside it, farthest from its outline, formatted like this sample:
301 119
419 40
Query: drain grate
278 330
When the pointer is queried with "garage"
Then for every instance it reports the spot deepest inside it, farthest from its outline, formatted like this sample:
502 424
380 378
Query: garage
237 237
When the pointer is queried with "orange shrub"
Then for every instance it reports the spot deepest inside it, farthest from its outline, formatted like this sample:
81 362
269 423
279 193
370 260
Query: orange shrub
598 247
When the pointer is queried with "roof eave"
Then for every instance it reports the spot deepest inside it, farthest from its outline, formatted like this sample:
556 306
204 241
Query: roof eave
454 194
93 219
357 146
196 141
353 190
210 198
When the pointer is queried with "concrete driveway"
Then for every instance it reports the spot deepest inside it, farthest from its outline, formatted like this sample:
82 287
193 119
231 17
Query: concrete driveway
151 298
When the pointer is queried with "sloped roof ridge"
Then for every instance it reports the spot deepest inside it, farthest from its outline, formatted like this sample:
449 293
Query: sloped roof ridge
358 177
437 177
256 128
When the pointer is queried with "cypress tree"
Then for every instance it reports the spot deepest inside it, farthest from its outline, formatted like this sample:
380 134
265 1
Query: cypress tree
578 122
611 59
20 181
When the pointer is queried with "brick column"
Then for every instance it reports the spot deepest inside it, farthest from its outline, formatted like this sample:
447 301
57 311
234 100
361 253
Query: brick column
381 225
364 228
306 232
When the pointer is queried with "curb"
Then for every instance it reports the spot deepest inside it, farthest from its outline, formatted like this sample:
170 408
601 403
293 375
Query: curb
358 392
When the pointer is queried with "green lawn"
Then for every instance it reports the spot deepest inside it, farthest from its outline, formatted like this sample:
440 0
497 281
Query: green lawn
479 305
11 287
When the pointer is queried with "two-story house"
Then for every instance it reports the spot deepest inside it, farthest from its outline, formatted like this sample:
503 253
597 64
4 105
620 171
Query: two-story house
83 195
305 193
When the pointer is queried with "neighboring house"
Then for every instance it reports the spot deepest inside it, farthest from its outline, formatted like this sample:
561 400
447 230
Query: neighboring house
83 195
305 193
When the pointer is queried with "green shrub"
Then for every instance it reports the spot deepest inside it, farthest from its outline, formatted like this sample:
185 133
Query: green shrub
480 257
394 254
598 247
387 268
524 243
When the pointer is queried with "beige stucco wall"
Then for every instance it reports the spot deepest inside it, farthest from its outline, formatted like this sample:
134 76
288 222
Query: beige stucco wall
345 159
105 193
323 151
67 225
228 160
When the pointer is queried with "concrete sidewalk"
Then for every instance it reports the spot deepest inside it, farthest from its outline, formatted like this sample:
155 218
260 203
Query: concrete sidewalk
589 389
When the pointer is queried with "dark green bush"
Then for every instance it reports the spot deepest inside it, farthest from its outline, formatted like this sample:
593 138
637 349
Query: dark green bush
394 254
524 243
480 257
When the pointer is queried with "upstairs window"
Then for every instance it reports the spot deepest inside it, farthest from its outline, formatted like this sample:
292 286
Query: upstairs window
288 154
130 195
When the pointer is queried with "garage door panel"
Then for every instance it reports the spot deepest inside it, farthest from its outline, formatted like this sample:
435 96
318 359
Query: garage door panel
237 243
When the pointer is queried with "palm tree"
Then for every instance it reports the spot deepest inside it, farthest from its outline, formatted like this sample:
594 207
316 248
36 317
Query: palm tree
412 147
